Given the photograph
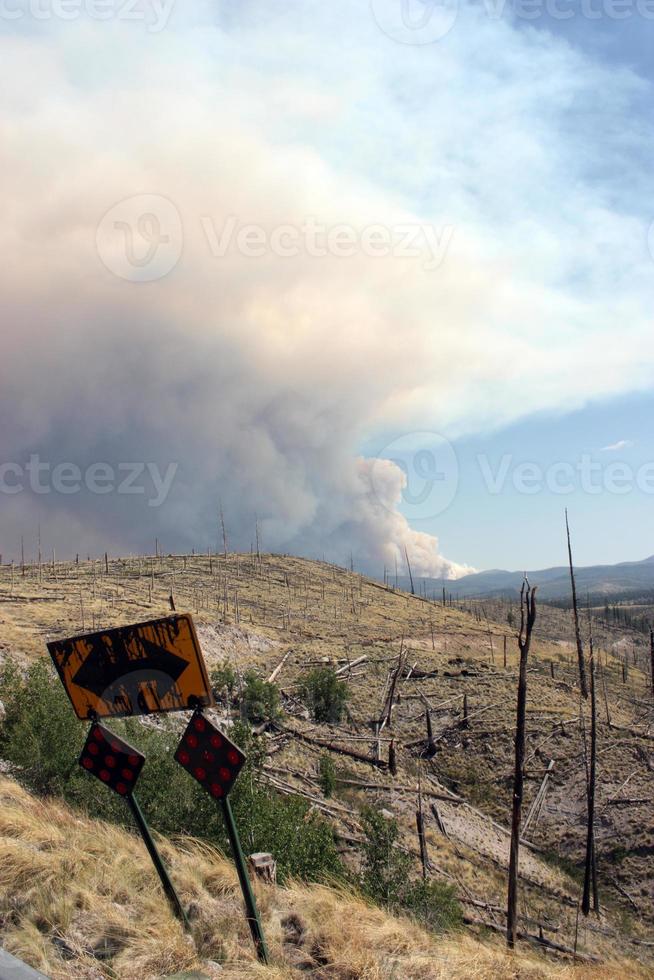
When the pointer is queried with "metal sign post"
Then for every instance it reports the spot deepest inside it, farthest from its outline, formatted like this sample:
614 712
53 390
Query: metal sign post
246 887
160 867
118 765
215 762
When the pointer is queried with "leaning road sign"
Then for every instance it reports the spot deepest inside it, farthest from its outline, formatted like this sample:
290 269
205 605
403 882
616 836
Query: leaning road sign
118 765
112 760
134 670
209 756
215 762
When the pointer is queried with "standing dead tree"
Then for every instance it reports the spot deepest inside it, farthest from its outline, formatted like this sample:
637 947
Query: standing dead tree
527 620
408 565
583 682
590 872
222 527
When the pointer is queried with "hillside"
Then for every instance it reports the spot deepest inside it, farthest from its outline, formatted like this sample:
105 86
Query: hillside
254 611
631 579
80 900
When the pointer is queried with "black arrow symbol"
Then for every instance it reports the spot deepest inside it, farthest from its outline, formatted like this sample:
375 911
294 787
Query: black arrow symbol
110 668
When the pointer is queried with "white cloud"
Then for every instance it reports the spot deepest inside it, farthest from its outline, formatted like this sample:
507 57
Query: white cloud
262 377
617 446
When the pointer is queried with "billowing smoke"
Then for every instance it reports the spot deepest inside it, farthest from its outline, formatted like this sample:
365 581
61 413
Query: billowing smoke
208 299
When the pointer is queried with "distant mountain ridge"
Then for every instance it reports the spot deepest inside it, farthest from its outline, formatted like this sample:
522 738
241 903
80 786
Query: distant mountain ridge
629 579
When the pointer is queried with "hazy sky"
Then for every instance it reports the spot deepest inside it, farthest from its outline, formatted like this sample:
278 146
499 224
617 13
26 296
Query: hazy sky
377 273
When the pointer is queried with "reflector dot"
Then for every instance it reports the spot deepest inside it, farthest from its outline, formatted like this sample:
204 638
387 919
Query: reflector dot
233 757
98 735
192 740
110 761
199 724
105 775
93 748
127 774
87 762
133 760
225 774
183 757
217 790
216 741
121 788
200 773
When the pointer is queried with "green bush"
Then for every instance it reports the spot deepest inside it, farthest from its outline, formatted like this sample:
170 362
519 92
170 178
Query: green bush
42 737
386 877
223 678
260 700
327 775
325 694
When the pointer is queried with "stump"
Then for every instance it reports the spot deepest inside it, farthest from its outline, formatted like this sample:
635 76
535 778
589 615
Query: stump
263 866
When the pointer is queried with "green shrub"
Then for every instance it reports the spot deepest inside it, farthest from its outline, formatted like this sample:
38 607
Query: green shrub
260 700
327 775
385 868
386 877
43 738
325 694
223 678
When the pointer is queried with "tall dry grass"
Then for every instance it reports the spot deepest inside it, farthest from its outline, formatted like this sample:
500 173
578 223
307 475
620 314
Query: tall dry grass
80 899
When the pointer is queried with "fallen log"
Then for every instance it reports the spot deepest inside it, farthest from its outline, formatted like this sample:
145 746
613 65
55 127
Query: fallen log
536 940
355 663
276 672
338 749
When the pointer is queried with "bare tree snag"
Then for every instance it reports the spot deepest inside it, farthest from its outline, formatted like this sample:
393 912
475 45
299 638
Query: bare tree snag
408 565
222 526
392 758
590 872
527 620
583 682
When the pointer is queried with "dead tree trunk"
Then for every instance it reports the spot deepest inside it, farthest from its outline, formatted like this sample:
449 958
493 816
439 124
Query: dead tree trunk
408 565
527 620
590 871
583 683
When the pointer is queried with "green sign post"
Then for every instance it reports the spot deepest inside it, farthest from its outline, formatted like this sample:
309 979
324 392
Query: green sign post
215 762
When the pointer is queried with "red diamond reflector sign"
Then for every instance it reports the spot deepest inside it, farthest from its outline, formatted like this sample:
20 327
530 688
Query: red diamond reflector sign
209 756
110 759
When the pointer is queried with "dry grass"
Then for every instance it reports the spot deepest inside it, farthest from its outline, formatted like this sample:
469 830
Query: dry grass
73 891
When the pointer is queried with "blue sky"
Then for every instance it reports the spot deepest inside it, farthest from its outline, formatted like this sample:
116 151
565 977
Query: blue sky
254 248
605 477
